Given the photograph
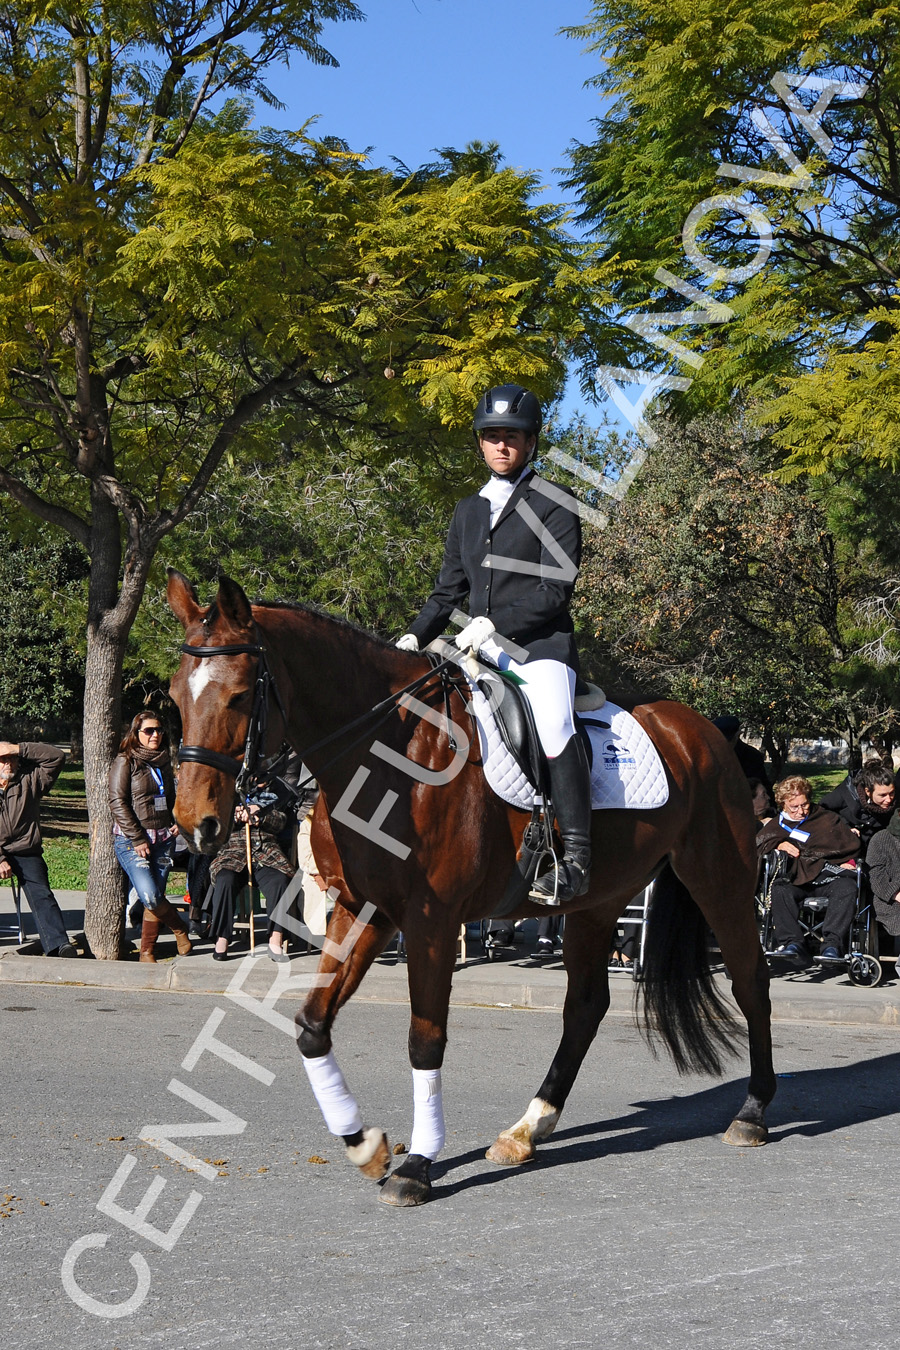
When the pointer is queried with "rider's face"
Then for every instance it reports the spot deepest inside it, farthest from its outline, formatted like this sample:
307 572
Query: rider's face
506 450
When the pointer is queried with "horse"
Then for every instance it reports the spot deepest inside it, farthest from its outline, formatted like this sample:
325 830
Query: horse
408 834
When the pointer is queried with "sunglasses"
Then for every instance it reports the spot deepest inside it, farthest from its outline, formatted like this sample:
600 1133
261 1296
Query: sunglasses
151 731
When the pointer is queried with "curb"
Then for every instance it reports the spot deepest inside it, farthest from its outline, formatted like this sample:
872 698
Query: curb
508 985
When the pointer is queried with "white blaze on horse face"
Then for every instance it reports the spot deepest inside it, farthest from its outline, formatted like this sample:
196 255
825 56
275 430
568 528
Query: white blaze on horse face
199 679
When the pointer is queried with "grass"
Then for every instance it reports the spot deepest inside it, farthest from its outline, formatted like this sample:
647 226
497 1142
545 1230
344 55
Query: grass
70 782
824 777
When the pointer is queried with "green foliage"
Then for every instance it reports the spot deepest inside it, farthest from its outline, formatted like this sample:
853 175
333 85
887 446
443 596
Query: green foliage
721 587
818 322
361 541
41 675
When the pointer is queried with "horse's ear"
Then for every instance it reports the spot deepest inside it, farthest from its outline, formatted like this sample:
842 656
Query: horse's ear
233 603
182 599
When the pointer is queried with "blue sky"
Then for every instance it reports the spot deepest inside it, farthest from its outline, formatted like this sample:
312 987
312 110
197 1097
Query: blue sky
422 74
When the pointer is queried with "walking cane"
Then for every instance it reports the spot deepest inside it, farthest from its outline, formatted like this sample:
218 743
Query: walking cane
17 901
250 882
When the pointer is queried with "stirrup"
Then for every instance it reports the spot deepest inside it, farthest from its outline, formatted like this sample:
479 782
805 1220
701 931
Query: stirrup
563 887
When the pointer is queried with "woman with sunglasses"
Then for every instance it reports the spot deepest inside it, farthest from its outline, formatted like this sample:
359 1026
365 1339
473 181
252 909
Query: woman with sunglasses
141 796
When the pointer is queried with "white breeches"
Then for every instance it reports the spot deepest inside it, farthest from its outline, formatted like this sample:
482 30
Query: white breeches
549 687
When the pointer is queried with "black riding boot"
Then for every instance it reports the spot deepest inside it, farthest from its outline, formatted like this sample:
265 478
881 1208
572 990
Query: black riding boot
570 785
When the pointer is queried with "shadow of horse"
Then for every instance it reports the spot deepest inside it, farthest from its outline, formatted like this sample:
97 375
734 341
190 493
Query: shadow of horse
810 1102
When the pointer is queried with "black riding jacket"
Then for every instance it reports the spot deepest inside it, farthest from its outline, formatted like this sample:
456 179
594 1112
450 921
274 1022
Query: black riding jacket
479 575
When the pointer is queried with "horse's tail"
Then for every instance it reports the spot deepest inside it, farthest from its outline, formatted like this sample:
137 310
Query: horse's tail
682 1007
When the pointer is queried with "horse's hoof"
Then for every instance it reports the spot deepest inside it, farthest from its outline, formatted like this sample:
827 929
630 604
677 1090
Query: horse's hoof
373 1155
746 1134
508 1151
410 1184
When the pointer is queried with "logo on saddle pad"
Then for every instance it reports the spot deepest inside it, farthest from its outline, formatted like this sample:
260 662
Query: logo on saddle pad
617 757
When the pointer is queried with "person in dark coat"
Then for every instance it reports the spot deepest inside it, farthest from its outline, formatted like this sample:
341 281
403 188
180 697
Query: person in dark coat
883 863
866 803
512 555
751 760
268 815
821 852
28 769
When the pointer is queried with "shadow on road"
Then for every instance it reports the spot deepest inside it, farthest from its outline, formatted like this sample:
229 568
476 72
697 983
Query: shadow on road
810 1102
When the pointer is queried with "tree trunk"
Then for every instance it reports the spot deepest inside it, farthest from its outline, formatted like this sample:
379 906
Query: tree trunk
104 918
109 623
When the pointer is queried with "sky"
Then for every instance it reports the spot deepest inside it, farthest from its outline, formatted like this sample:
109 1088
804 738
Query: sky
421 74
418 75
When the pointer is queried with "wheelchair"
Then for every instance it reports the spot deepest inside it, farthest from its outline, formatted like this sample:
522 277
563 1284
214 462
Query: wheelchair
861 962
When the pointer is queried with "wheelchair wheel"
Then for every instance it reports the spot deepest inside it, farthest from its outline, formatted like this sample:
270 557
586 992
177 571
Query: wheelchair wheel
865 971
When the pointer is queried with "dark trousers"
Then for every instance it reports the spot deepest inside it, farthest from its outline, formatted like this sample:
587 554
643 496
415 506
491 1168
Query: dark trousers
548 926
787 898
30 871
271 882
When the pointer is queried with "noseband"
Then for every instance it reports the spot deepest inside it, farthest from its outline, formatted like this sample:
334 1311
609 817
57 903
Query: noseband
241 771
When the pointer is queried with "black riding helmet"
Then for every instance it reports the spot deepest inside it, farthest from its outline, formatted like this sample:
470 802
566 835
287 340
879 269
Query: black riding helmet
509 405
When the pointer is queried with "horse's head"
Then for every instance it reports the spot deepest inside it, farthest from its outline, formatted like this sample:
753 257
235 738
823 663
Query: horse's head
214 695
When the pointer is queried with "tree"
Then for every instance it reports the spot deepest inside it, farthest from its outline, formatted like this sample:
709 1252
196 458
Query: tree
693 113
41 676
178 290
727 590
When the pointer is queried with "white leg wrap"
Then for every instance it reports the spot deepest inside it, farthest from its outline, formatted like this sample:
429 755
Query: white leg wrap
336 1102
428 1118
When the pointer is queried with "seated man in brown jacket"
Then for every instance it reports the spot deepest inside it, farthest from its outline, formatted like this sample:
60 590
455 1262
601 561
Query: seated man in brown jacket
27 770
821 850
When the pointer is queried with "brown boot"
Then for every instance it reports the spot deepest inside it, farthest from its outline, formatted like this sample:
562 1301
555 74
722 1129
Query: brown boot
172 919
149 934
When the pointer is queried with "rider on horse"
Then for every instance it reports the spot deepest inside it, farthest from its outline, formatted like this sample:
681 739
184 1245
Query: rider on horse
513 550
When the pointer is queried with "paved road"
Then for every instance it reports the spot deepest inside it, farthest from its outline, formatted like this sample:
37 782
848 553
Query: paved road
637 1227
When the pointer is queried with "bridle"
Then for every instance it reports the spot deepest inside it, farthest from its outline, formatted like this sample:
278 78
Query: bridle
245 771
254 746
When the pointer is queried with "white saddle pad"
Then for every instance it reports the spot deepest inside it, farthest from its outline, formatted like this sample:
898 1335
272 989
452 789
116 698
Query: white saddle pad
627 772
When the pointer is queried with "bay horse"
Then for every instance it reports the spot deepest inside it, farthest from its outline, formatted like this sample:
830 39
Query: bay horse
406 823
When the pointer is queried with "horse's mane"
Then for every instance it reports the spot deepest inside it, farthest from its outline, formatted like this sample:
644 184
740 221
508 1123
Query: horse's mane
303 607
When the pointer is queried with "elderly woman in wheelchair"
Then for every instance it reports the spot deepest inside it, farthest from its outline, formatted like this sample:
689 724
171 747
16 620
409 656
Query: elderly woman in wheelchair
816 854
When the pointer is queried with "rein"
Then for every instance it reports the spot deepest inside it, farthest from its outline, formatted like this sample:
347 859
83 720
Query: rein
244 771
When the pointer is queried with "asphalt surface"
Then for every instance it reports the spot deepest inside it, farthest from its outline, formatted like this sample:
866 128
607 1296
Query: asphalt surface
635 1227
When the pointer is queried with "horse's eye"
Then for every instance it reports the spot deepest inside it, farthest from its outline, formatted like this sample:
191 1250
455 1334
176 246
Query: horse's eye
237 699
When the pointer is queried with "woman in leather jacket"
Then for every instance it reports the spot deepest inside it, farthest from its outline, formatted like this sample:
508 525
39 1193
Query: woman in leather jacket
141 796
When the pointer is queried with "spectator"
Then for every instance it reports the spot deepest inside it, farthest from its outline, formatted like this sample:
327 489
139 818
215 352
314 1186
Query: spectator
883 862
548 934
820 851
27 771
267 817
762 802
751 760
141 797
866 803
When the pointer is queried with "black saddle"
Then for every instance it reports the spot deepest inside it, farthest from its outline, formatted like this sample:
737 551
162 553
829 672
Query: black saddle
515 722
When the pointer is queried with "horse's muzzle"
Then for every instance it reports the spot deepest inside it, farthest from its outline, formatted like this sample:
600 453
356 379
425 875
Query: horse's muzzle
206 837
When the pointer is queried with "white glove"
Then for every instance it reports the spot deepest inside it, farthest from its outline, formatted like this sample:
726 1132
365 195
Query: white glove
474 634
408 643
